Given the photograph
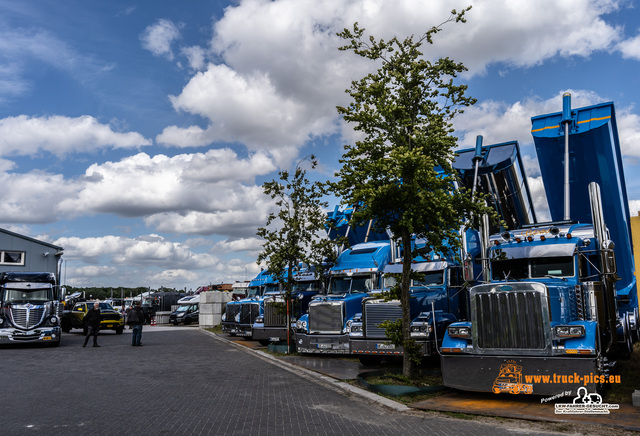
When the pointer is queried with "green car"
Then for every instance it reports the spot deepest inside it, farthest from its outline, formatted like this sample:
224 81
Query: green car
110 319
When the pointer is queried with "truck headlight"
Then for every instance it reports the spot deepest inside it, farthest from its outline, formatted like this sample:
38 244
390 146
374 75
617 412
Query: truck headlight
301 325
569 331
237 317
53 320
259 319
224 317
355 329
460 332
421 330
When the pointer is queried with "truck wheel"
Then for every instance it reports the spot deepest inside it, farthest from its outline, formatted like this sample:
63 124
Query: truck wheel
370 360
264 342
187 321
119 330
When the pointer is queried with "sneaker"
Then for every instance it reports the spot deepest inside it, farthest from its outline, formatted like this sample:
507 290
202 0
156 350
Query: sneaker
96 345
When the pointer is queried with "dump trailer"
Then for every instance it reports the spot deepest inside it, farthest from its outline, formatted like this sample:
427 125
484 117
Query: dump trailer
30 308
561 302
356 273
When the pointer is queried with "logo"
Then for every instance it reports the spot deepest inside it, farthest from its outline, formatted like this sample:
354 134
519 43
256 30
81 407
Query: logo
585 403
510 380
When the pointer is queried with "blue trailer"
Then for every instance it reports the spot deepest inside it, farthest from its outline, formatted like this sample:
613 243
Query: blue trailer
561 303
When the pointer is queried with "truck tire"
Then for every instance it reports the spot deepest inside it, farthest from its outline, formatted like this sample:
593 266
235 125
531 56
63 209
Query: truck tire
187 321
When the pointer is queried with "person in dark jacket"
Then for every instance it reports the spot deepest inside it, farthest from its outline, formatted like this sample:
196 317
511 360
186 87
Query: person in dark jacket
135 318
92 323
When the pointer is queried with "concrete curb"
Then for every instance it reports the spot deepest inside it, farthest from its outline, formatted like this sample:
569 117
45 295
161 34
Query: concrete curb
324 380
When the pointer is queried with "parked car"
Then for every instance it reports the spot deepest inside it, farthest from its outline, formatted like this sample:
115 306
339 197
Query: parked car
110 319
186 314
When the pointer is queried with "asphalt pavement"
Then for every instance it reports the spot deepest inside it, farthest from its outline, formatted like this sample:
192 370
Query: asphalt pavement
185 381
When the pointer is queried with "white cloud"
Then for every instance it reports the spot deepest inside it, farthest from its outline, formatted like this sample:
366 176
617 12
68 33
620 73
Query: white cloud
158 37
281 75
24 135
33 197
196 57
147 260
196 190
630 48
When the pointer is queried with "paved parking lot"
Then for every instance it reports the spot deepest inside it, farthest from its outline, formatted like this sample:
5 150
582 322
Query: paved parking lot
186 382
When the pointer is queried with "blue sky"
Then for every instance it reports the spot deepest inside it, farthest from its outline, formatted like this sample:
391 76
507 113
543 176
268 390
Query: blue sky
137 135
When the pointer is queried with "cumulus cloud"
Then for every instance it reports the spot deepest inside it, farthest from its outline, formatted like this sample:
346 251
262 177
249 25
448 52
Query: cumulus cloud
190 193
630 48
277 85
196 57
34 197
147 260
158 38
60 135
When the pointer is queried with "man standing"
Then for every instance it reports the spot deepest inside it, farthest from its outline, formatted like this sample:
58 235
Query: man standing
92 324
135 319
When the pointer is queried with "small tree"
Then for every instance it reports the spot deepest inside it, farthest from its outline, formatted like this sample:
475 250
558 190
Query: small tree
297 226
401 171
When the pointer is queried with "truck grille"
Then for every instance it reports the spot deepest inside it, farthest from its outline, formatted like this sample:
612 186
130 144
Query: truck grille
510 320
27 316
375 314
231 312
274 314
249 312
326 317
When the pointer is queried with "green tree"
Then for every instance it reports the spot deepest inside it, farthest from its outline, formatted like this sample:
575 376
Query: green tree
401 169
293 234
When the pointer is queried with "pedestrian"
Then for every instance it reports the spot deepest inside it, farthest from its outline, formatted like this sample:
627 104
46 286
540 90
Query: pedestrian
91 322
135 318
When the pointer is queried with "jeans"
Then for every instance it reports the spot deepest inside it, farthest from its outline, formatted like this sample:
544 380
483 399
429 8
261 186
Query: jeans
136 334
91 331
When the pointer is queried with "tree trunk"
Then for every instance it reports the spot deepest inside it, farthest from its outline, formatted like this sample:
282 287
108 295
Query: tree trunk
407 366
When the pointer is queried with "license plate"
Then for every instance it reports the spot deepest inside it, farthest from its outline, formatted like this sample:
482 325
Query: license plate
46 338
324 346
110 326
274 339
385 347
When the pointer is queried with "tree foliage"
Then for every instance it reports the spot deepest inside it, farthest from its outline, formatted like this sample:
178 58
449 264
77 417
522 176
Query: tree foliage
401 169
293 234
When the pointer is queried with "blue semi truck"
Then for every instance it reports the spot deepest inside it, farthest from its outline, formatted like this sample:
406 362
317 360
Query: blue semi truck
357 272
561 303
271 325
441 290
231 318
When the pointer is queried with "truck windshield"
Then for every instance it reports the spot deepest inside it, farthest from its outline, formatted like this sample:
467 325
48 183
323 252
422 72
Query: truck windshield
532 268
272 287
26 295
430 278
307 286
345 285
253 291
